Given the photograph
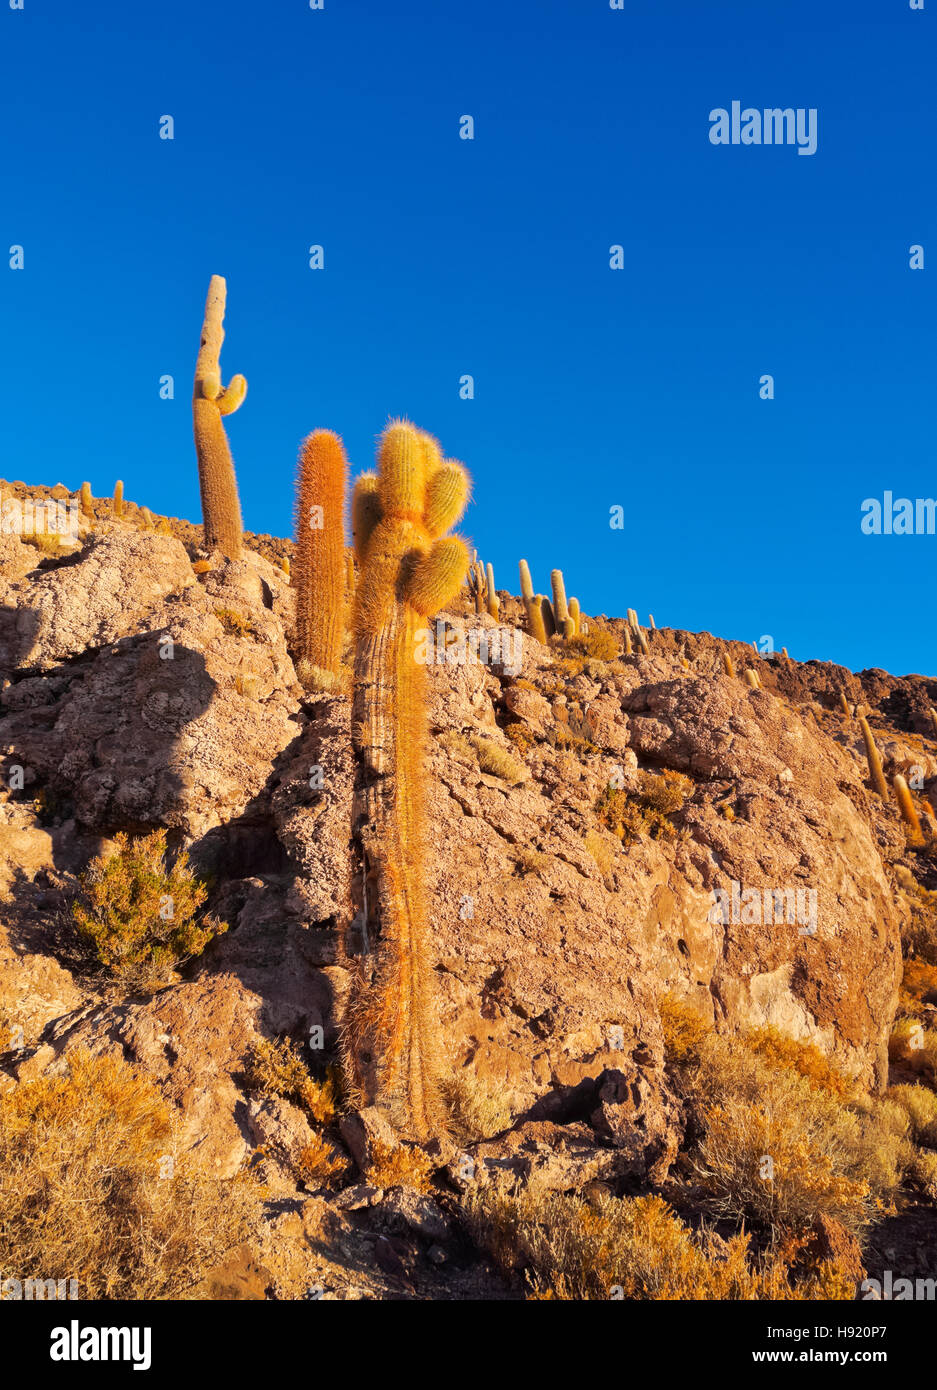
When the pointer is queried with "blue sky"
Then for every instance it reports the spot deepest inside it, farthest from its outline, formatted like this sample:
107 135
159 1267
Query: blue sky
490 257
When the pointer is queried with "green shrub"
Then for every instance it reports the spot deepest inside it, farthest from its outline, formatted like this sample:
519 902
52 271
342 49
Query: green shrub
141 917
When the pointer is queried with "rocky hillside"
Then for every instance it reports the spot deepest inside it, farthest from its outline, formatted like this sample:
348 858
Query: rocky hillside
614 844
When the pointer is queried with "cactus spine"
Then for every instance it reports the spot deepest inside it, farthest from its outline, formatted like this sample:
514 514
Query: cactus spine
319 553
560 610
410 570
908 809
87 501
875 762
118 502
221 509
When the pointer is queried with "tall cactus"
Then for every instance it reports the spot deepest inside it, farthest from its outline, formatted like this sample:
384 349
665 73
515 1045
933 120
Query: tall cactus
319 558
117 504
409 570
575 614
493 603
221 509
908 809
874 760
560 610
87 501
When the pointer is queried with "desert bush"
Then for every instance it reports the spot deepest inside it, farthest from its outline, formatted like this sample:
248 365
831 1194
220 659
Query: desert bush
919 1103
400 1166
142 918
520 736
529 861
780 1148
321 1162
685 1030
91 1189
918 987
915 1046
275 1068
919 939
633 1248
805 1058
646 810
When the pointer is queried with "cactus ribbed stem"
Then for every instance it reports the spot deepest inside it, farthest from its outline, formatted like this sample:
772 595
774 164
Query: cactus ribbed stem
547 614
933 719
493 603
845 705
575 615
752 679
409 572
728 663
319 554
907 808
87 501
221 508
874 760
527 588
118 501
560 610
626 637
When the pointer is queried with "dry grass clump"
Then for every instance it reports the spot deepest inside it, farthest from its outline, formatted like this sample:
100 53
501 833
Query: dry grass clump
476 1110
529 861
141 917
919 939
275 1068
402 1165
647 809
920 1105
234 623
497 761
89 1188
596 645
805 1058
630 1248
600 850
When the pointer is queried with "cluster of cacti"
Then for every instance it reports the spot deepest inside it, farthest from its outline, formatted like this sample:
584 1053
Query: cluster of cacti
221 508
638 632
409 569
319 574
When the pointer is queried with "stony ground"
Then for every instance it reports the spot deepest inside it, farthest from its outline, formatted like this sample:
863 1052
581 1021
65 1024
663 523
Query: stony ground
138 693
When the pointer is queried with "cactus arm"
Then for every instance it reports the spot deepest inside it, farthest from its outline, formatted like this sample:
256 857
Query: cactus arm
221 508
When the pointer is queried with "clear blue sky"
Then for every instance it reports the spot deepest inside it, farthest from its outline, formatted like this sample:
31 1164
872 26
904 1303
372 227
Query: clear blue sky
491 257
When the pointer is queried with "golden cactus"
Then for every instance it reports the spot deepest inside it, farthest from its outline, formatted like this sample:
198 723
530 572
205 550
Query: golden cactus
319 552
908 809
560 610
409 570
351 574
532 605
875 761
933 719
845 705
86 500
547 615
221 509
728 663
629 649
575 615
492 600
118 500
147 518
752 678
651 623
285 565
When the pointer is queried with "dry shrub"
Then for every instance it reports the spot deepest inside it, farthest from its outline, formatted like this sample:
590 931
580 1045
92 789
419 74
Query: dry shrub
321 1162
87 1190
918 987
141 917
919 1103
402 1165
596 645
779 1149
805 1058
275 1068
497 761
234 623
685 1031
915 1046
919 939
646 810
631 1248
530 861
520 736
